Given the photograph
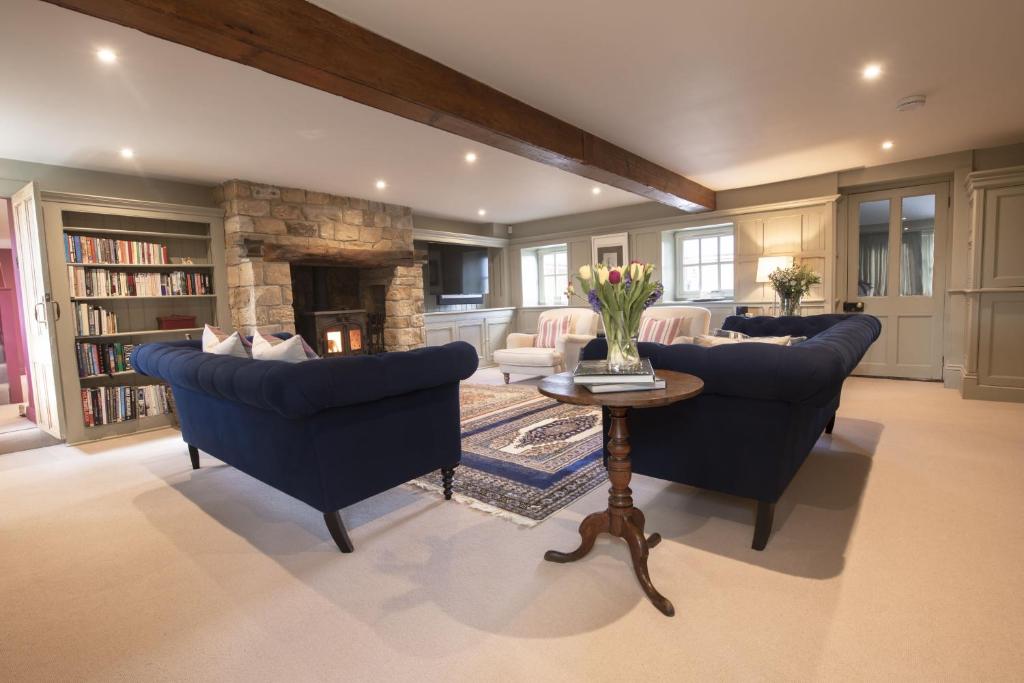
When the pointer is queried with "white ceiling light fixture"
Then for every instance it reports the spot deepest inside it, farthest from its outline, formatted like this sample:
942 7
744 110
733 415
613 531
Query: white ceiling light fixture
871 72
470 157
481 212
106 55
127 153
887 145
381 184
595 190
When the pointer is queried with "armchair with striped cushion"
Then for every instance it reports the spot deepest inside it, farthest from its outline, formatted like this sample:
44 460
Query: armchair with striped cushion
674 324
561 335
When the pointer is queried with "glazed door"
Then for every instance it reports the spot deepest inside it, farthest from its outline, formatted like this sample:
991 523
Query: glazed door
897 269
38 310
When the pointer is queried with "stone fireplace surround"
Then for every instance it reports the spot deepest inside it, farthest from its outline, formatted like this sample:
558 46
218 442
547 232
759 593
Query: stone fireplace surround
268 227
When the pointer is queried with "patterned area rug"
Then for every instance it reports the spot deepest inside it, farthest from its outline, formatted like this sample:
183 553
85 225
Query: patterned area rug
524 456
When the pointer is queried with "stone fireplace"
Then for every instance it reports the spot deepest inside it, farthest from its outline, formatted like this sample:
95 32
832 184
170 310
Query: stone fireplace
278 237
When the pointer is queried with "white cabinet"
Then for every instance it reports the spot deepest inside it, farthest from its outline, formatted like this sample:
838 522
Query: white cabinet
484 329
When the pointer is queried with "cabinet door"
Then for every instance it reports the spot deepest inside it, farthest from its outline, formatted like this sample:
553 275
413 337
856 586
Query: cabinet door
497 333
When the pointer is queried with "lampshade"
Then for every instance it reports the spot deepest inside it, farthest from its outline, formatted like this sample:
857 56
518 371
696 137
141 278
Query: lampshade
767 264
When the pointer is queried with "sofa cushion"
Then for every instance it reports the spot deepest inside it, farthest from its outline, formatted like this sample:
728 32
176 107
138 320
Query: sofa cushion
709 341
659 330
530 356
216 340
550 330
291 350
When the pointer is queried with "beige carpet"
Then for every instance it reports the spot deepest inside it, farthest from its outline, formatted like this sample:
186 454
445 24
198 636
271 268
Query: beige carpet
898 555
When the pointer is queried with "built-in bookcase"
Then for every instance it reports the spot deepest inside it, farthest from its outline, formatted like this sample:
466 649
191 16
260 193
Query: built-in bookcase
166 260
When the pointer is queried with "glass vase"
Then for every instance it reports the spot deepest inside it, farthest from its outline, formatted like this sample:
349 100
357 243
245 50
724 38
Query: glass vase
622 352
789 305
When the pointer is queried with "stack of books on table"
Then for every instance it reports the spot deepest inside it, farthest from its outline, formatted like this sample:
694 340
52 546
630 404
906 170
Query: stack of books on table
598 378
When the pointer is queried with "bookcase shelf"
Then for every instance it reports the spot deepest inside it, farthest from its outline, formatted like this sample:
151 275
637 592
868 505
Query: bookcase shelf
194 234
136 333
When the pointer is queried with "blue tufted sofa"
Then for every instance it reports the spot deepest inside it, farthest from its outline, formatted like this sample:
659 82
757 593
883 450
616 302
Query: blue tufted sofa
329 432
762 409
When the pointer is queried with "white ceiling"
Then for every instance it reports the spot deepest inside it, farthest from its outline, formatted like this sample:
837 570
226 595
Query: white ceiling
729 93
733 93
195 117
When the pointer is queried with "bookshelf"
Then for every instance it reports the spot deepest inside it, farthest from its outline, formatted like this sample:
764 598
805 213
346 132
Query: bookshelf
116 266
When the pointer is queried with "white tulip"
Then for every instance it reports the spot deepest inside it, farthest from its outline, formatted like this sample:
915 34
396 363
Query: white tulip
585 273
602 275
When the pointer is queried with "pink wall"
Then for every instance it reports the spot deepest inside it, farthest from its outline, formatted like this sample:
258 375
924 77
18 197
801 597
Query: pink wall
17 343
10 324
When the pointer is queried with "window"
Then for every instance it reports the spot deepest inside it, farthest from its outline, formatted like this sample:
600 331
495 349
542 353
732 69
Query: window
704 263
545 273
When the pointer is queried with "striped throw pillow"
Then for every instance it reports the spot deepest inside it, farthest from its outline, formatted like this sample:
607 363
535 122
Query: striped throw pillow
551 330
659 331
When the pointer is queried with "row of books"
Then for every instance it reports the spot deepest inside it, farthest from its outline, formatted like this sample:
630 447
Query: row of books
108 405
79 249
93 320
103 359
87 282
597 377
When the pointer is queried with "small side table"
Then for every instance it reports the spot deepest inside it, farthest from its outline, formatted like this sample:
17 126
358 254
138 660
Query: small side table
621 519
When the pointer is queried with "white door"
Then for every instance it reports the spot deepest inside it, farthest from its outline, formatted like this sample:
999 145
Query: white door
897 269
37 309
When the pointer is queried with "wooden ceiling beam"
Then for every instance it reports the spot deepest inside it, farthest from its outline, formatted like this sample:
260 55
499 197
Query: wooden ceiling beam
301 42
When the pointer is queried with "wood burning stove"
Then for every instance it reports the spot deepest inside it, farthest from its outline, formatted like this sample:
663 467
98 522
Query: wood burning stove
337 333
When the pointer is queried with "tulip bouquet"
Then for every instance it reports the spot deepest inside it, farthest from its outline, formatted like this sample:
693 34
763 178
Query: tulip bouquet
620 294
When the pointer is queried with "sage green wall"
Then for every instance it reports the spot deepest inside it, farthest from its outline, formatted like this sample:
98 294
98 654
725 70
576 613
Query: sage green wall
15 174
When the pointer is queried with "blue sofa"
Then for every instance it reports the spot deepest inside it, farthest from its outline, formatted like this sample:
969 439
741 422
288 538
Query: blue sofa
762 409
329 432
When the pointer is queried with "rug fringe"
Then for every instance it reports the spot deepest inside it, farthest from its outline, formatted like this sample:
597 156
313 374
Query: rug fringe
478 505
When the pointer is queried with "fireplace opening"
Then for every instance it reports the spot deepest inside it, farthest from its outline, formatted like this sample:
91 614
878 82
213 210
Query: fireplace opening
336 312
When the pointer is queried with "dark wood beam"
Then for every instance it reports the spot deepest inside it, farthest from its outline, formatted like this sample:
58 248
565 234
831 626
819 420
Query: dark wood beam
355 258
301 42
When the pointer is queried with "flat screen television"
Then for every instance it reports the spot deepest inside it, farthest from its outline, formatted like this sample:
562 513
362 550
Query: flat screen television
457 273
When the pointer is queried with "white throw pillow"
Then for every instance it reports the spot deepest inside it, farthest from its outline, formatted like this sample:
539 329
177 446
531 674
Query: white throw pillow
708 341
291 350
215 340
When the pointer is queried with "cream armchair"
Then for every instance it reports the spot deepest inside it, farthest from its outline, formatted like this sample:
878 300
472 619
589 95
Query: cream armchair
523 358
696 320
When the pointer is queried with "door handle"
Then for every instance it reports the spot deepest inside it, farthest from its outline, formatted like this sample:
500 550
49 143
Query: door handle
56 310
853 307
35 312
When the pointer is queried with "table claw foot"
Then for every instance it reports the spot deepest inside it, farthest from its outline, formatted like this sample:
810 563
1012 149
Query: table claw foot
638 550
593 525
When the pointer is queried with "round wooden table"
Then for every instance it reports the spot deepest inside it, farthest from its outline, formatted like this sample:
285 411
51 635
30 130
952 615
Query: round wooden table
621 519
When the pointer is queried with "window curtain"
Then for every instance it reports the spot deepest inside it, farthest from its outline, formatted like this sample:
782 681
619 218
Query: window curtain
874 264
917 263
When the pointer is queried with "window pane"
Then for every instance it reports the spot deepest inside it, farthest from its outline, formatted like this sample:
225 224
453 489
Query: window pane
709 250
725 245
691 252
917 251
727 281
709 278
560 260
874 248
691 279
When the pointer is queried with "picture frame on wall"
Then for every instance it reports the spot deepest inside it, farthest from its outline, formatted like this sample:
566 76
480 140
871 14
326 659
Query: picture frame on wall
611 250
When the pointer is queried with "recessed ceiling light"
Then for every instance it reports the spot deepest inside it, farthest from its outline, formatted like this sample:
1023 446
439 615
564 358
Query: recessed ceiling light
481 212
106 55
470 157
381 184
887 144
127 152
872 71
595 190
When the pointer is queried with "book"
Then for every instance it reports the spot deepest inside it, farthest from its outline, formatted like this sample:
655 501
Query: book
597 372
615 388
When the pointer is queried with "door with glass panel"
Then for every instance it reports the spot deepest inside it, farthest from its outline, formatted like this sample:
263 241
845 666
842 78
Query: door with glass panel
896 269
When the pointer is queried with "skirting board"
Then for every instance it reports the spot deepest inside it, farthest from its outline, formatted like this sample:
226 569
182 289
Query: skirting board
970 389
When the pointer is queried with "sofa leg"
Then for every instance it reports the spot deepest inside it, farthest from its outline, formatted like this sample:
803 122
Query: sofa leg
337 529
193 453
763 524
506 377
831 424
447 476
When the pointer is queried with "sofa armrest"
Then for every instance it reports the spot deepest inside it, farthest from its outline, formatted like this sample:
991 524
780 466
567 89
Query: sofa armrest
518 340
299 389
792 374
570 346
